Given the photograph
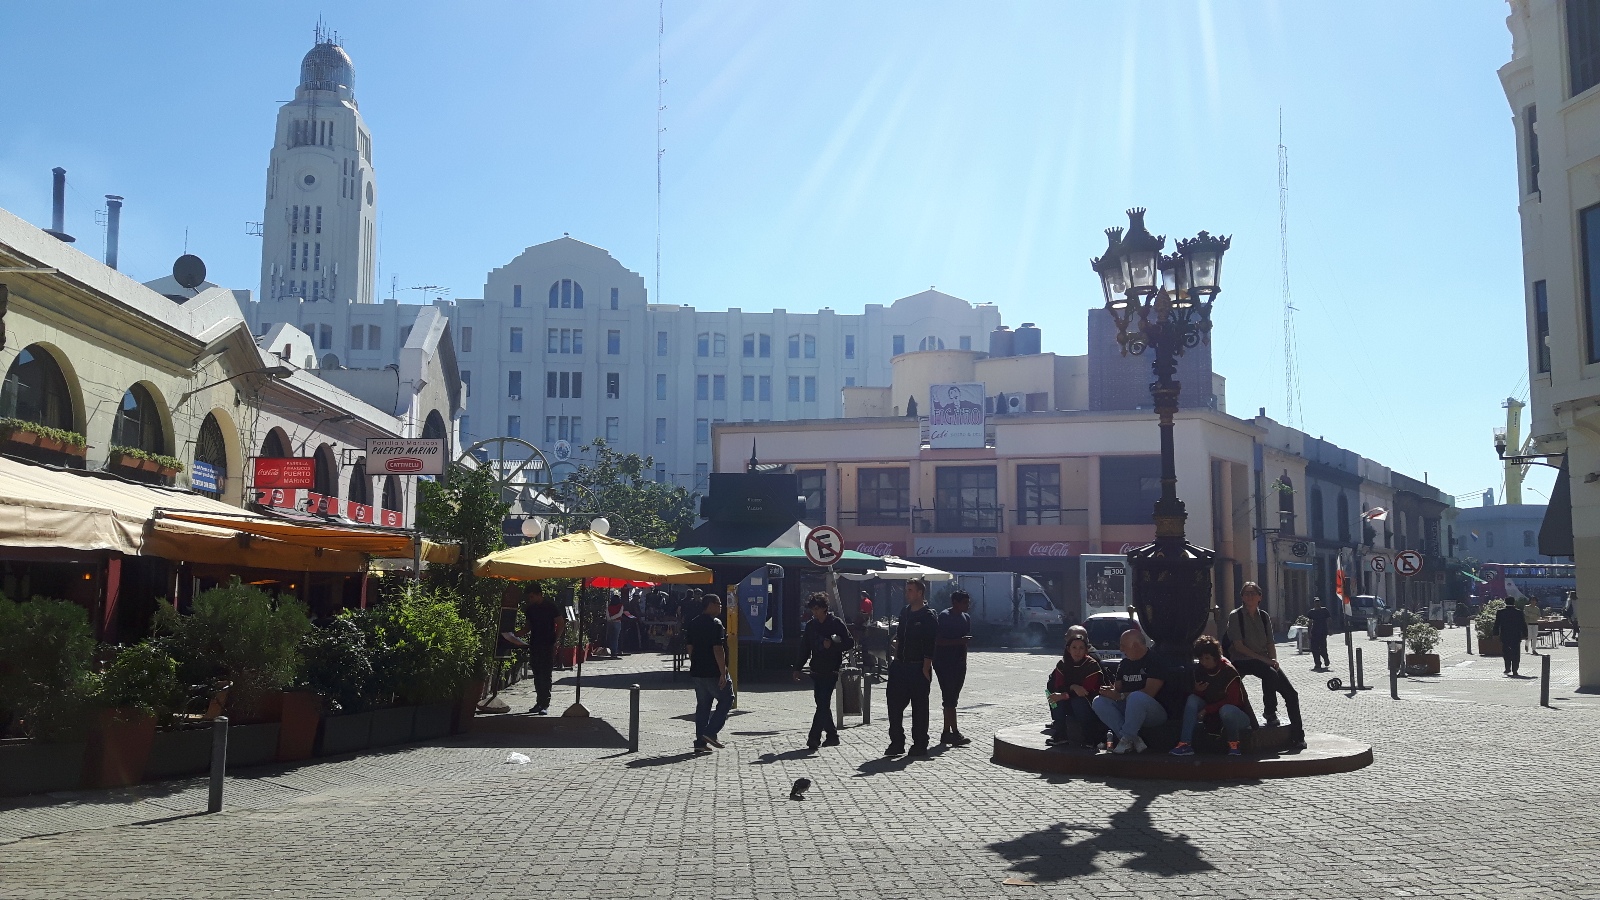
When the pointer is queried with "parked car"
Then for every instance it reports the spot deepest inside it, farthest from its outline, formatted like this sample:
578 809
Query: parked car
1105 635
1367 606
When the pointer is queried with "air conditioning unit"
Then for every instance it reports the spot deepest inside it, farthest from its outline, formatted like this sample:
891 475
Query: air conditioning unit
1014 403
515 397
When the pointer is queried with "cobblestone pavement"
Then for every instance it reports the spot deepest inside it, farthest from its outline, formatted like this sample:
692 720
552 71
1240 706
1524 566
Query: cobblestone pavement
1476 792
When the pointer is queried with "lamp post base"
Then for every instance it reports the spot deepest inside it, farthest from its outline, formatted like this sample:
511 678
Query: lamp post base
1172 592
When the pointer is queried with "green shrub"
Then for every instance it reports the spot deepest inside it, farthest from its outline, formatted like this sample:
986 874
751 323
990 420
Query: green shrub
423 651
1421 637
45 651
336 662
1484 620
143 677
240 634
160 459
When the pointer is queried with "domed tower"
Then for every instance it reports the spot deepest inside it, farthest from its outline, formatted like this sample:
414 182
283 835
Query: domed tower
320 227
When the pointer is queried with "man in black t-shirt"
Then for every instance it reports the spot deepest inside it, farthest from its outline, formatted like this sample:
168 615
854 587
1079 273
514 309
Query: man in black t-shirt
911 672
823 641
1318 616
707 643
543 624
1130 702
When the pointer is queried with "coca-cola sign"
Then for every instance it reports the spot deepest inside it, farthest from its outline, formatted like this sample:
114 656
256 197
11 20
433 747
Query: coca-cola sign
1058 548
880 548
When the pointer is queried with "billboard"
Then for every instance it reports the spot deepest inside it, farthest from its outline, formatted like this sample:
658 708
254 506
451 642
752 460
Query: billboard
405 456
286 472
1103 583
955 415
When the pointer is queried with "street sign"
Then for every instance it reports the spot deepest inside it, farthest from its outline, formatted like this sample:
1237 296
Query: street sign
1408 562
405 456
824 546
1379 563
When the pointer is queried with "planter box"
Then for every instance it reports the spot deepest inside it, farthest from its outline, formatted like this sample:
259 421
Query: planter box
251 745
75 450
1489 646
345 734
467 706
431 722
1385 631
393 725
1429 661
566 657
30 767
179 752
23 438
118 748
302 714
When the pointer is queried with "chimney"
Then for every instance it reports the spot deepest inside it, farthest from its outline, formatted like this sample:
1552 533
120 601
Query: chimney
58 206
113 227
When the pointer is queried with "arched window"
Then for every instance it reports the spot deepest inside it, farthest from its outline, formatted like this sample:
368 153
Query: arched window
930 343
1285 489
330 361
391 494
211 449
138 423
702 344
1527 539
276 445
36 391
566 294
360 490
326 479
1315 512
719 345
433 428
1343 508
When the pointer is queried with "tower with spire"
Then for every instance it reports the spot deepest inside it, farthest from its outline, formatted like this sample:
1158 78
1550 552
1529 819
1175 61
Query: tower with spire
320 227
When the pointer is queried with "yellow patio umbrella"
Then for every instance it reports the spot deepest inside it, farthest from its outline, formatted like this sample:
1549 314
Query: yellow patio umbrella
588 554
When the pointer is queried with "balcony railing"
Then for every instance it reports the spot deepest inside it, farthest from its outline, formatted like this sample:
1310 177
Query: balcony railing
875 518
959 520
1051 515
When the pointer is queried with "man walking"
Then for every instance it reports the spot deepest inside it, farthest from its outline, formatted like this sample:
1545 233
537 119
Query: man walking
953 634
1319 615
707 645
823 641
1512 628
544 624
1254 652
911 672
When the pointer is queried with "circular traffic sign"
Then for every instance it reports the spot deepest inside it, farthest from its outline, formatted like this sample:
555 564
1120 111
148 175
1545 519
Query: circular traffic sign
1379 563
824 546
1408 562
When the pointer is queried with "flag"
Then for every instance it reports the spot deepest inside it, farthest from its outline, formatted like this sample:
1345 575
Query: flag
1338 588
1376 514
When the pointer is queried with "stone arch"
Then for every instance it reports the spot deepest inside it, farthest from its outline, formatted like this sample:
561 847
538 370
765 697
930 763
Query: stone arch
327 471
57 394
393 498
233 453
360 487
276 444
152 429
433 427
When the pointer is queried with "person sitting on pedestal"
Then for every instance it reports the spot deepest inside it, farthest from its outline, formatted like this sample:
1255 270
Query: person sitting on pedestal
1219 696
1129 704
1071 689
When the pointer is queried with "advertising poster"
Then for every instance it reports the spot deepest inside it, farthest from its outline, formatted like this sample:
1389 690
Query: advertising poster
955 415
1104 583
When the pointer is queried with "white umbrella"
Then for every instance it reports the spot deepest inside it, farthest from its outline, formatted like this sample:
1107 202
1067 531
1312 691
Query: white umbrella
896 569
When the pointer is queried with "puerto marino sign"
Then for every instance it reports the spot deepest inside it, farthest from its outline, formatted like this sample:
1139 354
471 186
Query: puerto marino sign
405 456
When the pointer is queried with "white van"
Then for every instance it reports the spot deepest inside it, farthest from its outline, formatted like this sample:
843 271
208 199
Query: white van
1009 600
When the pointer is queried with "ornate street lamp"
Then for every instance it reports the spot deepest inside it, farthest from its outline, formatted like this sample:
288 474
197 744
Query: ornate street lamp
1163 303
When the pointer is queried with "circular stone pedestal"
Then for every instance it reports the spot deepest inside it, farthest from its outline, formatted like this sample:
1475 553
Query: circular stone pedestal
1024 747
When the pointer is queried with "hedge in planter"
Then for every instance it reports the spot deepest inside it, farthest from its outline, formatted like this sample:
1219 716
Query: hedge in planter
45 682
239 634
139 689
336 663
423 651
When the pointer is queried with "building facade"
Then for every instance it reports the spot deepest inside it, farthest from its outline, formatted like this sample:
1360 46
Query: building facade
1552 84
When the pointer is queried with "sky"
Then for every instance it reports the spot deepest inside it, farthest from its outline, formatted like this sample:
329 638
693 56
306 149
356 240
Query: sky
844 153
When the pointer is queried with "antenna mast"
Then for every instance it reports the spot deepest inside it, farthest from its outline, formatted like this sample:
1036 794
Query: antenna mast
1291 369
661 30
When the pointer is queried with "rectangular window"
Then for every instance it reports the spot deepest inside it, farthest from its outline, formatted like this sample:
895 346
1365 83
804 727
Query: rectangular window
794 346
749 343
466 379
1129 489
702 344
702 387
702 431
516 295
766 388
358 335
1590 219
319 220
516 340
292 250
661 386
811 388
294 227
719 387
549 429
661 343
374 337
552 340
566 340
966 342
577 340
514 426
811 346
613 298
849 381
466 426
883 496
577 385
849 346
1583 44
1531 117
661 438
965 499
577 429
661 473
551 380
614 343
563 428
747 387
613 423
316 263
514 383
794 389
899 344
766 346
566 385
719 345
466 339
613 385
305 258
814 487
1039 495
1541 325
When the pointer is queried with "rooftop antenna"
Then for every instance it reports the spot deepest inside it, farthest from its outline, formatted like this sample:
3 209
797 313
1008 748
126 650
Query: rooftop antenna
426 289
1293 408
754 463
661 106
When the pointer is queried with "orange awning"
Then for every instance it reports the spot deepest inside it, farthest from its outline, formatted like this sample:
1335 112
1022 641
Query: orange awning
326 537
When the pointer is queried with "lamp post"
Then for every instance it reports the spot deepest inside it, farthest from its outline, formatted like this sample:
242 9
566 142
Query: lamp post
1162 303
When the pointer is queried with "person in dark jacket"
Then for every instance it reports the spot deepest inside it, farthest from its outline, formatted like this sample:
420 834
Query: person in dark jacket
950 662
911 672
824 642
1219 699
1318 615
1071 688
1512 628
543 622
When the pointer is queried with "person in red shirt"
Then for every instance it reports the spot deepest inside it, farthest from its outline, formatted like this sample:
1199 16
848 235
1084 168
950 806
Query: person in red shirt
1071 689
1218 695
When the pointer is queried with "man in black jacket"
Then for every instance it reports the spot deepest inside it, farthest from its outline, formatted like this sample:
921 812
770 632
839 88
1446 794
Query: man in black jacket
911 672
824 642
1511 626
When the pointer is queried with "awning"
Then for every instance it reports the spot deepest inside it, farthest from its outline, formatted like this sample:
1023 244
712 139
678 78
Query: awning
585 554
328 537
1555 532
896 569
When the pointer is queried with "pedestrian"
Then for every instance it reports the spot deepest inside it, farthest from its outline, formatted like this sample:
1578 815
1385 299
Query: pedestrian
1530 615
1570 611
1128 703
707 647
911 671
823 641
1071 688
1319 615
614 613
1253 651
543 624
950 643
1218 700
1511 626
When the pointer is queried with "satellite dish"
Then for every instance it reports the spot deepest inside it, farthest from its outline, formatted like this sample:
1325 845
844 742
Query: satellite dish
189 271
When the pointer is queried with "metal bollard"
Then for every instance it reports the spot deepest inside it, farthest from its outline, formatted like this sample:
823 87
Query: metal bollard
866 700
1469 630
1361 676
1394 684
633 718
838 700
219 761
1544 680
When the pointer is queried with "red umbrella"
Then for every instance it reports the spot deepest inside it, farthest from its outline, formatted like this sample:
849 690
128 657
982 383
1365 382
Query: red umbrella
606 582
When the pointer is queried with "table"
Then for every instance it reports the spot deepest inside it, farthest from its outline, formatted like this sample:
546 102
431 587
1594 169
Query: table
1556 630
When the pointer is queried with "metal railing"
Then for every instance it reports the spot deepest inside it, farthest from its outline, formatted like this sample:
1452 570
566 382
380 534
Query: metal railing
1051 515
959 520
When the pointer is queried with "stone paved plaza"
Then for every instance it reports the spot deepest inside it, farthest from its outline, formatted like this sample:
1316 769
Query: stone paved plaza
1476 792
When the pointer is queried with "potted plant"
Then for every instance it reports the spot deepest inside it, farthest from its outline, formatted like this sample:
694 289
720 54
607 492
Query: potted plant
336 668
427 652
45 651
135 459
1483 623
32 434
139 689
1422 638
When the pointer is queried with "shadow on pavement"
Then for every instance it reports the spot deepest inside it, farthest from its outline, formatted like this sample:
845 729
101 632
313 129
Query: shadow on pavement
1065 850
767 759
663 760
538 731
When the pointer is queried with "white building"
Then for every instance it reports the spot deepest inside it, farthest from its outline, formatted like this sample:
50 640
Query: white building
1553 86
319 228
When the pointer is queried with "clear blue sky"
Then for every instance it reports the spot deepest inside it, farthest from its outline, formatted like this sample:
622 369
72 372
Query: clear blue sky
844 153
